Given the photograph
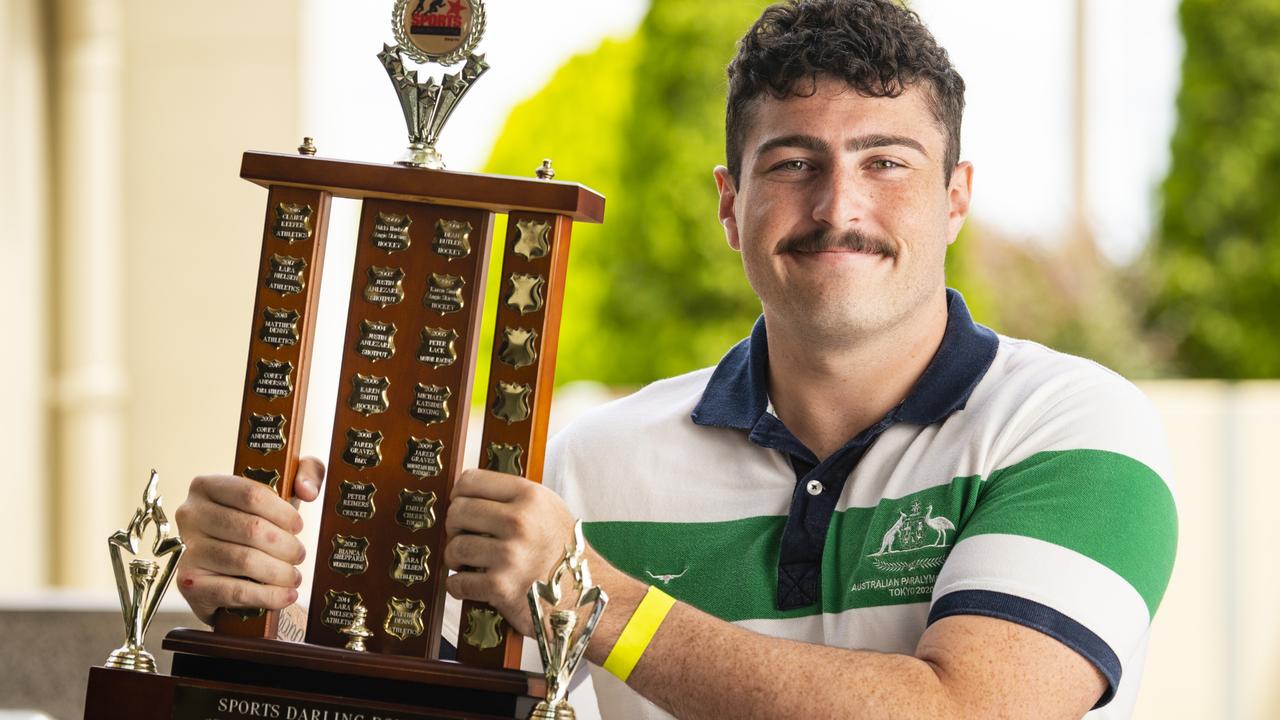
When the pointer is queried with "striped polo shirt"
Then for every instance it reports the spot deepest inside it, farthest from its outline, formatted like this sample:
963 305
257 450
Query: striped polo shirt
1013 482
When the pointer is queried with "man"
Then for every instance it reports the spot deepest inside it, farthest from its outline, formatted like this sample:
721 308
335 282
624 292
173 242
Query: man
872 507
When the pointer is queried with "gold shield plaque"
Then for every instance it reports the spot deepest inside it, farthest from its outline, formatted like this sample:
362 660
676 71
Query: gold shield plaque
385 287
437 348
519 347
417 510
444 293
423 457
266 476
511 402
368 394
285 276
533 239
526 293
348 556
364 448
339 608
505 458
266 433
453 239
410 564
293 223
377 340
355 500
279 327
484 629
274 380
391 232
404 618
430 403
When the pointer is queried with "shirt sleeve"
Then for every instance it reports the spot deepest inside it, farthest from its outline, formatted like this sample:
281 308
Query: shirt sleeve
1074 534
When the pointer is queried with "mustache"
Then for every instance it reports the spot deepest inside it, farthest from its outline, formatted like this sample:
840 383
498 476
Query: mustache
821 239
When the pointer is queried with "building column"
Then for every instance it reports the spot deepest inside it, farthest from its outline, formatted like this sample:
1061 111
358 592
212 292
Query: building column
89 381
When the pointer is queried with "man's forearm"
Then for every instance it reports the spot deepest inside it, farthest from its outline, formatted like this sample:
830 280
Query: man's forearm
698 666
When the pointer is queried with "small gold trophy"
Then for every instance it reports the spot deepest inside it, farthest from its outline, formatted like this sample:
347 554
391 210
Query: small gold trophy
145 581
554 627
443 32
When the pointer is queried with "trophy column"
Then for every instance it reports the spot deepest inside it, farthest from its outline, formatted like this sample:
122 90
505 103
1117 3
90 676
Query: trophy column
526 333
279 362
400 425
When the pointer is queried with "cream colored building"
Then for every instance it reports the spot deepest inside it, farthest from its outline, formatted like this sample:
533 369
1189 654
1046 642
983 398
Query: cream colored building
128 247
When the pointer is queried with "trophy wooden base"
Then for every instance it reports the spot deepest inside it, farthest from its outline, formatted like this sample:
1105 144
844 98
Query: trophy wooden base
216 677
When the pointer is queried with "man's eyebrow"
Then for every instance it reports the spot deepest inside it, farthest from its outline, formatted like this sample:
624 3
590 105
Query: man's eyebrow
800 141
857 144
866 142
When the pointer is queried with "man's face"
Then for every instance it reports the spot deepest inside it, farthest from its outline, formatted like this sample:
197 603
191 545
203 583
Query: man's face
841 212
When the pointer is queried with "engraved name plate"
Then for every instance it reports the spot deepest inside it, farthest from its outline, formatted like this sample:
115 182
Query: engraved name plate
504 458
519 347
391 232
266 433
285 276
422 459
377 340
444 293
511 402
431 403
340 608
348 556
293 223
437 348
385 287
417 510
279 327
364 448
355 500
409 564
404 618
274 380
368 394
453 239
266 476
525 294
532 239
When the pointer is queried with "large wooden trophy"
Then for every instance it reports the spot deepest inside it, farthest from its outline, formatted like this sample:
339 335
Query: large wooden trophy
373 632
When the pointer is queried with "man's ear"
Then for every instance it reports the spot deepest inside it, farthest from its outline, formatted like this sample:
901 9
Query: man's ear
728 197
958 195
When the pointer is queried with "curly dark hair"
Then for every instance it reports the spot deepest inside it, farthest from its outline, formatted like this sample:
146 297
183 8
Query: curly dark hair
878 47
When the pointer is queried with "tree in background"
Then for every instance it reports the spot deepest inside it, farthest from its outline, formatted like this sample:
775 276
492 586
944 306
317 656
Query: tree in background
656 291
1216 262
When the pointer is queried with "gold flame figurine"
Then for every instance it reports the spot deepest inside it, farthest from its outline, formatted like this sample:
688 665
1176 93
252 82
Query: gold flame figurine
144 582
554 627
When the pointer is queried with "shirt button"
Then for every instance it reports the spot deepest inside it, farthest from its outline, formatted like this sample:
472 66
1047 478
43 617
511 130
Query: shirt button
814 487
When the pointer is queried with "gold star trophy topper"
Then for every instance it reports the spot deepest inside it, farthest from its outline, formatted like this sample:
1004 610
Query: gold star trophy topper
144 582
442 32
555 621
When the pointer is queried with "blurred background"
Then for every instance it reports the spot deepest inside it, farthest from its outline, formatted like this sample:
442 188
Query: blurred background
1127 163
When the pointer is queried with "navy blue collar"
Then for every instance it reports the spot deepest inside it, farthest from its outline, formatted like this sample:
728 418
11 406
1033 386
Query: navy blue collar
737 394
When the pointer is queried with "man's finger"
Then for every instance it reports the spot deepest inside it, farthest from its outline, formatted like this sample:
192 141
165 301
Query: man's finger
231 592
250 497
482 517
489 485
309 480
240 528
468 586
225 558
475 551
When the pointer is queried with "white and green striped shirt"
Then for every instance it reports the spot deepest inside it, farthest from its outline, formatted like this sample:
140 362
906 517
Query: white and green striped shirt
1014 482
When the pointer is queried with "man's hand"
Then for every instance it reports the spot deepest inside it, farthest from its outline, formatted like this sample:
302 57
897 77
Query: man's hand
504 533
242 545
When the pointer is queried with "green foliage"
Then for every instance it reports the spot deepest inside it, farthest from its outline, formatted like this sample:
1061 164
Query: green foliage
1217 259
656 291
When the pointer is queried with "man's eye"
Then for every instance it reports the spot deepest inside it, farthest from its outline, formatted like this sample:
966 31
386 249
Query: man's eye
885 164
793 166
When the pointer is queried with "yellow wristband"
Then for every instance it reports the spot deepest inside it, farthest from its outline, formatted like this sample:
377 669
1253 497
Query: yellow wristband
639 631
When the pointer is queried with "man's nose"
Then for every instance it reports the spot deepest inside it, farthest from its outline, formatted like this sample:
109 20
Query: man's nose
840 200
